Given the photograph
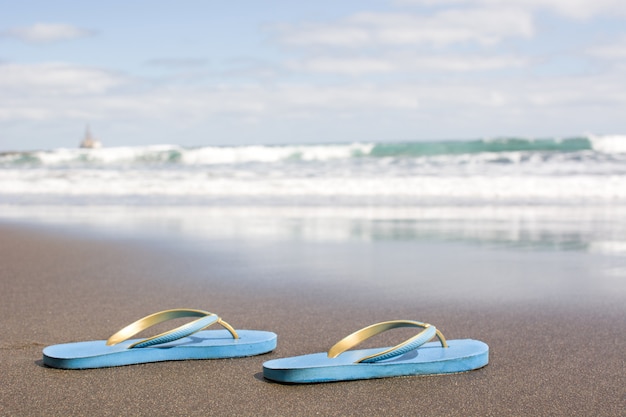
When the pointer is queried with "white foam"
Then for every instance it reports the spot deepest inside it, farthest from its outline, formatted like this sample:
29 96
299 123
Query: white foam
316 174
103 156
613 247
229 155
608 143
374 189
208 155
241 154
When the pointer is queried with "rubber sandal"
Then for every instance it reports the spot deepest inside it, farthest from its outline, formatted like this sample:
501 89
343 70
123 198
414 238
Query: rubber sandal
411 357
189 341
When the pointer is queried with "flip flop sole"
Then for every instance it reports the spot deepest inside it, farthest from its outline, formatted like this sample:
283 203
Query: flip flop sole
207 344
430 359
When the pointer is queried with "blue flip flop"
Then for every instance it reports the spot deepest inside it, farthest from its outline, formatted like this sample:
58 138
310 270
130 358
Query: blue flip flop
189 341
411 357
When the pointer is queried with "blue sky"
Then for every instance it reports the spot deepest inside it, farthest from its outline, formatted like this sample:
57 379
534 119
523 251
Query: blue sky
276 71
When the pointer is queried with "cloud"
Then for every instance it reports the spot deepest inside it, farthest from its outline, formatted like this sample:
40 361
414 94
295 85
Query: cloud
47 33
481 26
394 43
405 64
61 91
54 90
452 107
446 72
55 79
344 65
577 9
611 51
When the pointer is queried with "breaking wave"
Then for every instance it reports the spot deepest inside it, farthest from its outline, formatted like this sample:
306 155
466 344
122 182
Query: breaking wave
219 155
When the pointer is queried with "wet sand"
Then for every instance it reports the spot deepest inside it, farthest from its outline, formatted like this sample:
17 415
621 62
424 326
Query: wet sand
560 356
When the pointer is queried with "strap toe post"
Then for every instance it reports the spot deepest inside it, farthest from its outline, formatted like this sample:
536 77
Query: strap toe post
206 319
429 331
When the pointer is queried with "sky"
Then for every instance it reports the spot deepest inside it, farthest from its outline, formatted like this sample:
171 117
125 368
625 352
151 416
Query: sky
195 72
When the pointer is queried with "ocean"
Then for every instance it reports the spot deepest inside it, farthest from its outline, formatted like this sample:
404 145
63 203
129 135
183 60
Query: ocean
508 171
567 193
328 213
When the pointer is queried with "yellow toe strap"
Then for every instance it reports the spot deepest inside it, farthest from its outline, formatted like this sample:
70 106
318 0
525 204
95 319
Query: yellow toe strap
414 342
206 319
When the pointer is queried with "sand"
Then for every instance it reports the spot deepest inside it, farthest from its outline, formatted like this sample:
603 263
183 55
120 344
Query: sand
556 357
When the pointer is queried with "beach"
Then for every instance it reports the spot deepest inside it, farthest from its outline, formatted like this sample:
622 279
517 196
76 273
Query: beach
310 173
518 243
553 320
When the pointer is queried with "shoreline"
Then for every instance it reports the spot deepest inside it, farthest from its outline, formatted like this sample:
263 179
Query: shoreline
544 358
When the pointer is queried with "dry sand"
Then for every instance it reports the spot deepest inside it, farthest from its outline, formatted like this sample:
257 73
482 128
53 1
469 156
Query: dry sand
565 359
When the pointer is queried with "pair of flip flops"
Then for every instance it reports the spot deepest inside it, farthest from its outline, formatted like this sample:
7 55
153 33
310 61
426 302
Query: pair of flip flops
415 356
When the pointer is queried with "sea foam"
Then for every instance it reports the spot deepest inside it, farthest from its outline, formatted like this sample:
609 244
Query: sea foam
589 170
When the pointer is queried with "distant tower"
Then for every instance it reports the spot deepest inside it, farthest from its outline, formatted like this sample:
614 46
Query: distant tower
89 141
